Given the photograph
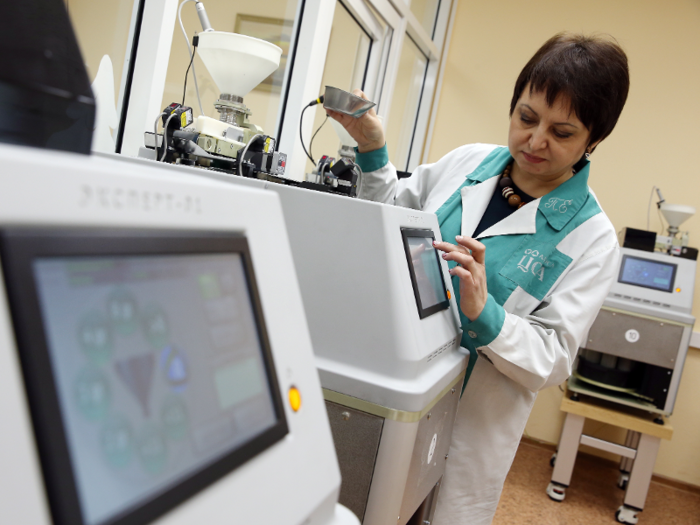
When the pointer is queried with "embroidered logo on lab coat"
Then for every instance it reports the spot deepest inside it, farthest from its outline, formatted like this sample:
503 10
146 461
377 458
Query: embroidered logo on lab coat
534 262
560 205
535 268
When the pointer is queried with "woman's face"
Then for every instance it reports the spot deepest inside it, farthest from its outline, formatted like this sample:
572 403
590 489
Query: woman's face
546 141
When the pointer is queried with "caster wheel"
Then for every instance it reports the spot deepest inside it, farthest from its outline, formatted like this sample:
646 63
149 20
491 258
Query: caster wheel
659 421
553 460
556 492
622 480
626 515
574 397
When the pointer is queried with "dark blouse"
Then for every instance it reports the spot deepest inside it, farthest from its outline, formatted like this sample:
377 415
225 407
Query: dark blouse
498 209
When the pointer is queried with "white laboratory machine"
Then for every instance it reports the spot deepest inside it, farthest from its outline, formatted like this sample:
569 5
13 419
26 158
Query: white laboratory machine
378 300
633 357
635 350
232 144
155 361
386 336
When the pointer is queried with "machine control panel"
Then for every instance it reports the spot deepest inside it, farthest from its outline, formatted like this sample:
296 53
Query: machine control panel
646 273
426 273
162 375
657 281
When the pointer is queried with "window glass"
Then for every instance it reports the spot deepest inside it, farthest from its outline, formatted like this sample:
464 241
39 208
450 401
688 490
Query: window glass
383 46
103 29
346 62
405 103
426 12
272 20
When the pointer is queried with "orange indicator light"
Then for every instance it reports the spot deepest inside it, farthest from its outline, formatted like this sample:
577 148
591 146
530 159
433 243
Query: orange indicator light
294 399
449 295
678 290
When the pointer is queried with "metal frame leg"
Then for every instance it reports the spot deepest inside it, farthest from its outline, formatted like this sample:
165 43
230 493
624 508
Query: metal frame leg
568 448
642 469
631 441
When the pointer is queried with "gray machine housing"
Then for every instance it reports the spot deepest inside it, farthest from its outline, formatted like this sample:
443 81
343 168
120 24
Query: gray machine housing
641 325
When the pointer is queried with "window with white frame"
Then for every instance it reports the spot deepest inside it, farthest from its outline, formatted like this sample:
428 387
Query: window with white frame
105 31
405 102
272 20
350 53
390 49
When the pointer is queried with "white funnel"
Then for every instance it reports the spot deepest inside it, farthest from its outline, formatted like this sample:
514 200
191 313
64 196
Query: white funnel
676 214
237 63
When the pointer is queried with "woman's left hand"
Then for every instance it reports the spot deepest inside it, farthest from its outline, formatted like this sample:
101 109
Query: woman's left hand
469 254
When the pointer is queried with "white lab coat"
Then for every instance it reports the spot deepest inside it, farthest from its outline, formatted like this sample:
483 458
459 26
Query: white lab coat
538 339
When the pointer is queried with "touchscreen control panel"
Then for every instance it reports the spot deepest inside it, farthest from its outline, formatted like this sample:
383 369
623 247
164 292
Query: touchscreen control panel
155 376
646 273
426 271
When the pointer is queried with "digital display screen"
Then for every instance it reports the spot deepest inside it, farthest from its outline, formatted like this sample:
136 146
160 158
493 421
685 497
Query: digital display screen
647 273
158 367
426 271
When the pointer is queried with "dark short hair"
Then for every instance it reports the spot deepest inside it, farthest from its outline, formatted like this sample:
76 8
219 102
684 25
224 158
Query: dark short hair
590 71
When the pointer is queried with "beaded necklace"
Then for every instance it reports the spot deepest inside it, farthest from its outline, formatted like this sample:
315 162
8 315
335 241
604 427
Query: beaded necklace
506 185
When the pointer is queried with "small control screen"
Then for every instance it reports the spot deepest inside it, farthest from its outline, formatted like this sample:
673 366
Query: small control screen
646 273
426 271
162 377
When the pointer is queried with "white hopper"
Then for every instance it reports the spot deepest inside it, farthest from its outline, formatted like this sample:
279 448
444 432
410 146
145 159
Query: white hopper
237 63
676 214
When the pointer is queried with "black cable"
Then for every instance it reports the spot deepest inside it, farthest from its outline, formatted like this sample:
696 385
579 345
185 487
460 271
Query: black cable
301 135
319 100
195 42
311 144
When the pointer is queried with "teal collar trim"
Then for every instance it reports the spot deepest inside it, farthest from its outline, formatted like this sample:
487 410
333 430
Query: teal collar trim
493 165
560 205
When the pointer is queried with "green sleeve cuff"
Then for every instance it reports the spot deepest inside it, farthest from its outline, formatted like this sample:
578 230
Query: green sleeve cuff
372 160
487 326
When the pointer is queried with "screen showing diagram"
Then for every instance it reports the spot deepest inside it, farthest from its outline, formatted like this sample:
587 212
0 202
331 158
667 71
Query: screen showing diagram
426 273
159 369
647 273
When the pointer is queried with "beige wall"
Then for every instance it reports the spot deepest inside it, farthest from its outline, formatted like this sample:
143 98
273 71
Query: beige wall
655 143
102 28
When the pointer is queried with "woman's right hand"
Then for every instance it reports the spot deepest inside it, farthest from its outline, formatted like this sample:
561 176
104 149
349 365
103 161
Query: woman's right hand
366 130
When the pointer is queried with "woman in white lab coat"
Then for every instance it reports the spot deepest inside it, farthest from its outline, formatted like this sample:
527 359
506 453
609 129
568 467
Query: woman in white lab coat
531 253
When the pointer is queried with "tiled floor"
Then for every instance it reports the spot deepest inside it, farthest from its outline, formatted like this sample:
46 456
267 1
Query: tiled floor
592 498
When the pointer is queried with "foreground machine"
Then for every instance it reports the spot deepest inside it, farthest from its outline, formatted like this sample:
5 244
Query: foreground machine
385 334
155 362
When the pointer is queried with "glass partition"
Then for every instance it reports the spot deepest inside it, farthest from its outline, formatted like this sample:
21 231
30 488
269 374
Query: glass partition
383 48
272 21
103 30
426 13
405 103
346 63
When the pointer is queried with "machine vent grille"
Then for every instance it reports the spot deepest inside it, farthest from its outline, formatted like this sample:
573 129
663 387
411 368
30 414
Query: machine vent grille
440 350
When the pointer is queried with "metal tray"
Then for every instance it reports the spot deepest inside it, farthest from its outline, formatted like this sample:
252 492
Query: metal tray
345 102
